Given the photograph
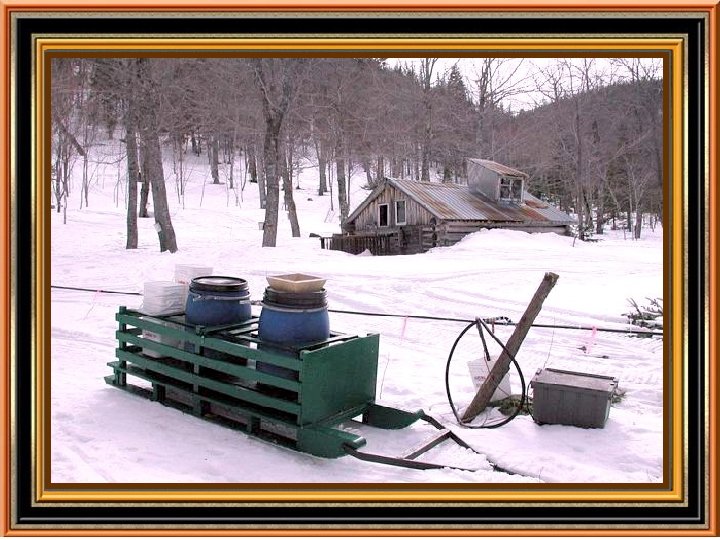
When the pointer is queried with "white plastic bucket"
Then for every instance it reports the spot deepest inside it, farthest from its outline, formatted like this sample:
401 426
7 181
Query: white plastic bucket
163 298
185 273
479 371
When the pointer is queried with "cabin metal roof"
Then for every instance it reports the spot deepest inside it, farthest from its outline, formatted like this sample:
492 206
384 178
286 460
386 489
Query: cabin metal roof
455 202
498 167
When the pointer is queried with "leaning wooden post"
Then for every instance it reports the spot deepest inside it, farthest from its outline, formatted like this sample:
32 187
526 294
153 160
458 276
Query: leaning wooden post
502 365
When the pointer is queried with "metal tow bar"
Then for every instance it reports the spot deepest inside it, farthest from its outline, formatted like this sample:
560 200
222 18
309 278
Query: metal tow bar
408 460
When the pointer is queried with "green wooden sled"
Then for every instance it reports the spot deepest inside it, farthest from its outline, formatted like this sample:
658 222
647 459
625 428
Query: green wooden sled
210 372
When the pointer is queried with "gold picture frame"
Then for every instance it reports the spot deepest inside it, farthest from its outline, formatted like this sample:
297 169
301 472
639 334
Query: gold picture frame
27 54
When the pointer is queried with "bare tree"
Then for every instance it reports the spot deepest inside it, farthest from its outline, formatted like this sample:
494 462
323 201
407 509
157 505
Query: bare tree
493 82
286 169
148 105
66 88
568 82
426 71
330 106
454 125
597 129
113 91
133 165
277 79
643 159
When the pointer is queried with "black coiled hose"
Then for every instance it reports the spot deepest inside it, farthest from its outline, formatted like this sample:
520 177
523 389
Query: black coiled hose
479 323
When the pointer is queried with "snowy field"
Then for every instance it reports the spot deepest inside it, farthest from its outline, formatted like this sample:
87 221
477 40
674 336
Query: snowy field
100 434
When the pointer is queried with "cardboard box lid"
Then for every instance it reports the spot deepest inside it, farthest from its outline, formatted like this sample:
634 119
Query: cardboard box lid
297 283
574 379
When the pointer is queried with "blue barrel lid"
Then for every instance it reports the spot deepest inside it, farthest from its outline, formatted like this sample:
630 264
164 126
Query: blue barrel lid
218 284
303 300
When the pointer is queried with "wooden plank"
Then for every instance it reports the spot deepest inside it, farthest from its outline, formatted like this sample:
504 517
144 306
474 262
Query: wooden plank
265 410
467 229
427 445
502 365
176 376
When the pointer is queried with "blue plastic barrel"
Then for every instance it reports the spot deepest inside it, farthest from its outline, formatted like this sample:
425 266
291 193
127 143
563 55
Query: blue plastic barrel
291 320
217 301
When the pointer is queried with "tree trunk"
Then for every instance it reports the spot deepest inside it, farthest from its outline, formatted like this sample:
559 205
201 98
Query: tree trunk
342 188
58 184
179 165
588 210
152 157
86 178
133 168
261 182
270 158
395 168
380 175
322 167
228 148
231 162
251 163
145 190
368 172
290 160
427 135
166 232
426 70
275 80
579 172
502 365
66 185
194 144
348 180
213 158
84 190
600 213
289 200
638 223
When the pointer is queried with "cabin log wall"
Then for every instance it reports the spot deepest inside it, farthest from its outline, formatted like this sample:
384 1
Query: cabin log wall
415 214
408 240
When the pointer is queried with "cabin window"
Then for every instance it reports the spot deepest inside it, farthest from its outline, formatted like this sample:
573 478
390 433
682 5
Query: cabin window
383 215
511 189
400 213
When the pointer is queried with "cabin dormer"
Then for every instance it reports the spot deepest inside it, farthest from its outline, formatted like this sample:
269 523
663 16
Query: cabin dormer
496 181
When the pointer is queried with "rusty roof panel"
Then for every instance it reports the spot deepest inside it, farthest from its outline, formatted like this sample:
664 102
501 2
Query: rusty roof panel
455 202
547 211
451 201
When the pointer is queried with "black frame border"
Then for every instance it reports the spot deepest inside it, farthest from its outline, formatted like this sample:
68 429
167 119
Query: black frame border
693 515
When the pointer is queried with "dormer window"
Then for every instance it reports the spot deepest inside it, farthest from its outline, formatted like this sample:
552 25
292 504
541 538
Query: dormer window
511 189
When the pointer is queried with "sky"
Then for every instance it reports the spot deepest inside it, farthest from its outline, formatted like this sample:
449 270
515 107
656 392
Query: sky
518 79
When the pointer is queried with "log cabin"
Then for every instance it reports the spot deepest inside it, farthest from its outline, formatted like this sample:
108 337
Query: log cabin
405 216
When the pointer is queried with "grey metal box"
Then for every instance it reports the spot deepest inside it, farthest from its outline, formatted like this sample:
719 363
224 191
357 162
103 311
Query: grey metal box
571 398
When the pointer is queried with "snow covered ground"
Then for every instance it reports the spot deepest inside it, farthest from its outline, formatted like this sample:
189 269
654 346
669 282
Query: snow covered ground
100 434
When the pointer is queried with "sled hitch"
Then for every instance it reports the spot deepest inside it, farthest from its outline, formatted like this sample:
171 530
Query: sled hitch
408 460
